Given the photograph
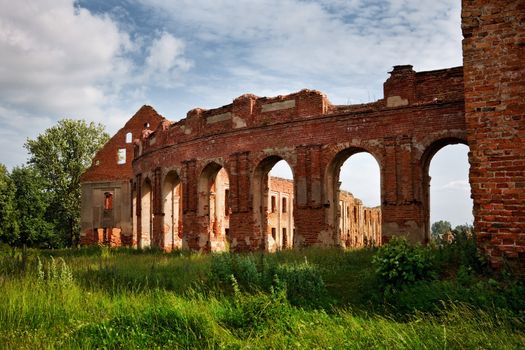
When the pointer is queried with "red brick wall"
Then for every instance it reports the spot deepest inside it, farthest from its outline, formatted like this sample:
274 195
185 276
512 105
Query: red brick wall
105 174
494 69
105 166
420 113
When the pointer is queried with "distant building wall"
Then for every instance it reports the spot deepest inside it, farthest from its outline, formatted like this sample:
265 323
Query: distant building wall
359 226
106 186
280 214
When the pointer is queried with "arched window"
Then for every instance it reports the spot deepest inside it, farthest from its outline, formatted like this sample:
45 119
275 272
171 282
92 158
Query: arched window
108 201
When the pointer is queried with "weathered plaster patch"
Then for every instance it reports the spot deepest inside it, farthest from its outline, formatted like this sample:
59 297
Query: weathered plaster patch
186 130
238 122
396 101
219 118
276 106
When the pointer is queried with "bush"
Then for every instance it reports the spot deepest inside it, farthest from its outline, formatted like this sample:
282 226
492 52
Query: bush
398 264
255 273
242 267
462 252
304 284
255 313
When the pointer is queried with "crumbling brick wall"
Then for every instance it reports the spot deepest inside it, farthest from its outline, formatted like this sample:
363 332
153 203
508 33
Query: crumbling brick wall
111 173
421 113
494 69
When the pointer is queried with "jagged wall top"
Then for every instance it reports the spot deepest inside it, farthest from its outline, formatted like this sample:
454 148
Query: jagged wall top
404 87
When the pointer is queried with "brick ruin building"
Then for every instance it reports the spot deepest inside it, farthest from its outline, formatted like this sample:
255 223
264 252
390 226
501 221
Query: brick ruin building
171 182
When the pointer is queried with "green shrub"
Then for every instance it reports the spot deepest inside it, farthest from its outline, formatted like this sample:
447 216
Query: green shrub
242 267
304 284
461 252
254 313
398 264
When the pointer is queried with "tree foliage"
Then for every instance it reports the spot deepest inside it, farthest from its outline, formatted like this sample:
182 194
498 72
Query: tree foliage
439 228
9 229
34 211
61 154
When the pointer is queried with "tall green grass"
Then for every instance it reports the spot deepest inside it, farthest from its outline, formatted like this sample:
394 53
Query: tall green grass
313 298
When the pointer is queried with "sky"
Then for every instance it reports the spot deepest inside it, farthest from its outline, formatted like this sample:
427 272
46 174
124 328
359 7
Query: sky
101 60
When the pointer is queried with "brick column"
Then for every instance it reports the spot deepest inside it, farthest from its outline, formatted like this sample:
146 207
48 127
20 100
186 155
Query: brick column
190 238
402 213
494 78
309 214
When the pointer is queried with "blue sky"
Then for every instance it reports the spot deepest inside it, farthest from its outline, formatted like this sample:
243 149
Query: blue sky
101 60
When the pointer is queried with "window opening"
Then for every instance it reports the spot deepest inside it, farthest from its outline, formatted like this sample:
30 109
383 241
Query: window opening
121 156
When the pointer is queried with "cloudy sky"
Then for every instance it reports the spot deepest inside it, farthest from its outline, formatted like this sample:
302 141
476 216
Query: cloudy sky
101 60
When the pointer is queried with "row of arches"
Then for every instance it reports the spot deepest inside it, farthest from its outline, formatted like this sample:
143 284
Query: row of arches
272 208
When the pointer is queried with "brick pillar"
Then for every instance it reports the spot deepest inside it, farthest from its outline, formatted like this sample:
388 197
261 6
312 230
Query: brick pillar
243 236
402 213
494 77
309 214
158 214
189 208
400 87
138 208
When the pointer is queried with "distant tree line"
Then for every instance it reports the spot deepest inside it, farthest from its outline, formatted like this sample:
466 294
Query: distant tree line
441 229
40 201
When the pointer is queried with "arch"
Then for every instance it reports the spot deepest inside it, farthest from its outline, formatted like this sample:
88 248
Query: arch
273 202
354 231
429 152
172 209
433 147
146 217
214 207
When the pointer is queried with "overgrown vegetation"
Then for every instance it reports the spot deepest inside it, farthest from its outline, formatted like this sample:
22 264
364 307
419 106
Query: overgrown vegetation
40 201
313 298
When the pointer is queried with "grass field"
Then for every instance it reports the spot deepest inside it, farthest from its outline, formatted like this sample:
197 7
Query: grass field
301 299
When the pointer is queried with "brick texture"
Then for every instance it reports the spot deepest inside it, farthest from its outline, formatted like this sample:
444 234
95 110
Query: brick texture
421 113
494 61
481 105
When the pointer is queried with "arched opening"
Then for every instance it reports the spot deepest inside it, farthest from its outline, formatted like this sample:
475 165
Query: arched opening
214 208
146 217
446 188
273 202
354 198
172 209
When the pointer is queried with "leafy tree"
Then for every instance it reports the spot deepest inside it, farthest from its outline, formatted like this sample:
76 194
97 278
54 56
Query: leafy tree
9 229
439 228
32 204
61 154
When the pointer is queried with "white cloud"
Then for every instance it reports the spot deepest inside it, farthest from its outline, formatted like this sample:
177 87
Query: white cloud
58 60
324 43
165 60
55 57
462 185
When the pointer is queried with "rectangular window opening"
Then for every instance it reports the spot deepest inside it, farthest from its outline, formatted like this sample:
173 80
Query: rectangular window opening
121 156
